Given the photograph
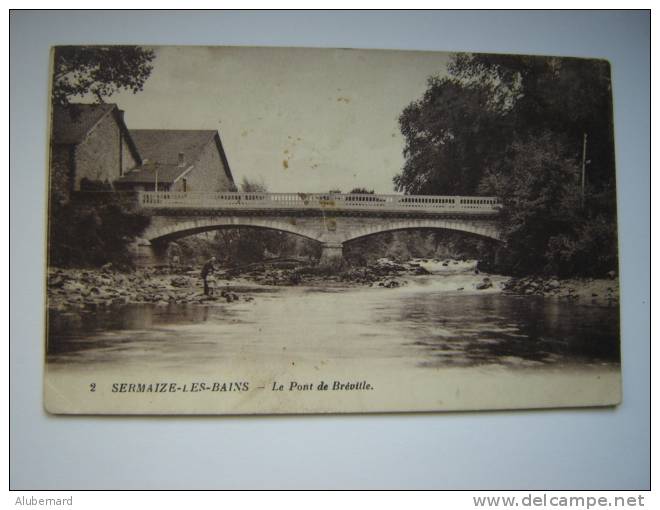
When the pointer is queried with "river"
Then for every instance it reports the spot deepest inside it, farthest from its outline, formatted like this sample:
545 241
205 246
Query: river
427 323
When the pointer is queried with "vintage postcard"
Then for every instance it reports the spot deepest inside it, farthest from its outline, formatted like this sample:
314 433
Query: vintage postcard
237 230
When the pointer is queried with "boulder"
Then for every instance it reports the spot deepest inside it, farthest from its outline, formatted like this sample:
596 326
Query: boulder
485 284
55 281
179 281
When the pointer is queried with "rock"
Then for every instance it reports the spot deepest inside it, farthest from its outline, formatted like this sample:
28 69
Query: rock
55 282
485 284
179 281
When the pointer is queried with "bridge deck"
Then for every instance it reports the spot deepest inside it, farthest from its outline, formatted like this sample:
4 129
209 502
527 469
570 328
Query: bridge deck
315 201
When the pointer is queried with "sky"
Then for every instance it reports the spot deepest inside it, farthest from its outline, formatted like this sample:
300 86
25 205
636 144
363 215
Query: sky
297 120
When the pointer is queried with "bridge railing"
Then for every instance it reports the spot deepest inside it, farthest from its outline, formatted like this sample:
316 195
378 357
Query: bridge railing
326 201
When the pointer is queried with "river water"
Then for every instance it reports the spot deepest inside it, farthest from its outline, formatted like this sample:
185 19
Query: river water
427 323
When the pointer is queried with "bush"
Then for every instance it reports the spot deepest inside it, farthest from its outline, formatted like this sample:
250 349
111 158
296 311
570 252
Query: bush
90 233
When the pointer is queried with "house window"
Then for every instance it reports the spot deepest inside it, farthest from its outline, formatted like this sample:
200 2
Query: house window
185 184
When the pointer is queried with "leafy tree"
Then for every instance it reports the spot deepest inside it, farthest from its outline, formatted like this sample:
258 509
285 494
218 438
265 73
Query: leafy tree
451 134
514 126
537 184
90 233
248 186
568 96
99 70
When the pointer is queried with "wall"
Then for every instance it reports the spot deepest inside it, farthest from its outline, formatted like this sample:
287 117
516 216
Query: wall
209 173
97 157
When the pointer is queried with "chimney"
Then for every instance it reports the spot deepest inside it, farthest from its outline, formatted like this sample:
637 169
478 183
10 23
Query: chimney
182 159
121 114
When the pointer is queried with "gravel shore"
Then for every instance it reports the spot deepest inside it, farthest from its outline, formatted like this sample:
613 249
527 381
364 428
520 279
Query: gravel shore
93 288
584 291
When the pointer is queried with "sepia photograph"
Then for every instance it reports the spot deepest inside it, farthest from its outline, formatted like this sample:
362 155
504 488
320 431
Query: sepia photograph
252 230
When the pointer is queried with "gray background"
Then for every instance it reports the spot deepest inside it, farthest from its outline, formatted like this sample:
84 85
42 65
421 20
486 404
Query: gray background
587 448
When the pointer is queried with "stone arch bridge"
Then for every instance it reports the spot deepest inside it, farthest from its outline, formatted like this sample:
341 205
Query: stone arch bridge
330 219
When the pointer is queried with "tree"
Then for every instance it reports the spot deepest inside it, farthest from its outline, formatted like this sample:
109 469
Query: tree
92 232
514 126
248 186
99 70
537 184
568 96
451 134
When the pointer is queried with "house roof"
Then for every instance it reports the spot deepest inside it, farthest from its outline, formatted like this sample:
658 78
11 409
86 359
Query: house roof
72 123
161 147
164 145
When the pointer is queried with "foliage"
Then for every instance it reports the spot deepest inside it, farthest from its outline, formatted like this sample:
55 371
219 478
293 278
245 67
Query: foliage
248 186
93 233
514 127
406 244
451 133
99 70
537 185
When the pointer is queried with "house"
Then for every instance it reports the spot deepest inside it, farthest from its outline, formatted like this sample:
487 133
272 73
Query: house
89 143
178 160
92 148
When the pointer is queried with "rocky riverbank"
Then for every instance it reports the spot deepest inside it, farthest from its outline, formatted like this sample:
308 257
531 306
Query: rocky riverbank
86 288
94 288
585 291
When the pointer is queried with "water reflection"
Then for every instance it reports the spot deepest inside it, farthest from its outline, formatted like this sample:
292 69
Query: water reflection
418 325
473 329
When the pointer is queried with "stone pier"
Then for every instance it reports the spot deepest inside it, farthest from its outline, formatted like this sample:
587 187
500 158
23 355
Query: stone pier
332 255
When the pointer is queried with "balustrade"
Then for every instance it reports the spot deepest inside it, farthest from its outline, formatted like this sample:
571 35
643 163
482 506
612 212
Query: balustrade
325 201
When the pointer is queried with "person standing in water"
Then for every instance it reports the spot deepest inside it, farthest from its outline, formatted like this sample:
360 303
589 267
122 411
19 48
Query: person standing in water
207 269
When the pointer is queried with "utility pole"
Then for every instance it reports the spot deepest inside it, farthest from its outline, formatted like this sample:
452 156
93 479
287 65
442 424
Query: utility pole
584 166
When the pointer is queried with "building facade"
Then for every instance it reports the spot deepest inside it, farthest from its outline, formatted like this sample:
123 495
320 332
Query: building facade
92 149
89 144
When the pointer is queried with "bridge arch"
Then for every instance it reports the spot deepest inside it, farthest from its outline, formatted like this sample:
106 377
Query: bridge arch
482 229
158 233
331 231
